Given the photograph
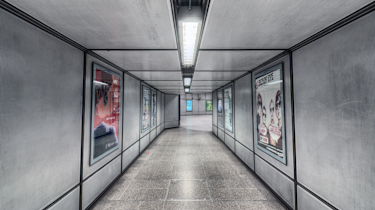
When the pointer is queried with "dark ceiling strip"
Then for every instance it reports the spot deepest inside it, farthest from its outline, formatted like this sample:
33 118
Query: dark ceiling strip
242 49
112 49
221 70
202 30
348 19
154 70
161 80
174 16
24 16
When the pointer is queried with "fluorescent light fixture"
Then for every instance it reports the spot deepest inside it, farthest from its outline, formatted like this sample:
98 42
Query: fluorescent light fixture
187 90
189 38
101 83
187 81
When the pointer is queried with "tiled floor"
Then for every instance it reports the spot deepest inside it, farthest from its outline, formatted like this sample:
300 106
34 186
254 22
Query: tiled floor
188 168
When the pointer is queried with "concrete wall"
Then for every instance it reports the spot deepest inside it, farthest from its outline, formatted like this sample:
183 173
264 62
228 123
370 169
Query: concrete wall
332 87
45 93
199 103
171 115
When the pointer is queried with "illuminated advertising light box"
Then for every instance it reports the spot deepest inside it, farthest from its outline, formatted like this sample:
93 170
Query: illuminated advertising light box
153 111
220 108
268 105
106 112
228 109
145 108
189 105
208 106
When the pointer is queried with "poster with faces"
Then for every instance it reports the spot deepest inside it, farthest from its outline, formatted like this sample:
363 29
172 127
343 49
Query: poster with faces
269 122
145 108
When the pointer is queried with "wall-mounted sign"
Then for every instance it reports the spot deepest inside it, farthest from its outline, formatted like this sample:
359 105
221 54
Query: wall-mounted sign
208 106
145 108
269 112
228 109
106 112
220 108
153 111
189 105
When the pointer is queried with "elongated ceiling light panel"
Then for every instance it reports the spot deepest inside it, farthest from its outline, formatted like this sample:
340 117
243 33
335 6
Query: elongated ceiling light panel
189 30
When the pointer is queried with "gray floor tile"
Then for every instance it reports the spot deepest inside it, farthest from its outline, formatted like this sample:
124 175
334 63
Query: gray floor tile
273 205
225 205
251 205
188 190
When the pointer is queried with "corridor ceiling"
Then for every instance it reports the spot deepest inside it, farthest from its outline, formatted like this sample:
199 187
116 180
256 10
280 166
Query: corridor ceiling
140 35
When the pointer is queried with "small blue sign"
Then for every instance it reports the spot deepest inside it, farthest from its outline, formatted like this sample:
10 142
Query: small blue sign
189 105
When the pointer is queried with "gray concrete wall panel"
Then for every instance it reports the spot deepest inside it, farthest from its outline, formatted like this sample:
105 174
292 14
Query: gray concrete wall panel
202 96
214 129
245 155
189 96
214 108
220 134
183 96
202 106
289 167
229 141
171 107
183 107
208 113
92 187
144 142
70 201
243 114
87 169
132 106
163 108
195 107
172 124
334 79
40 115
152 134
306 201
129 155
282 185
195 96
158 130
208 96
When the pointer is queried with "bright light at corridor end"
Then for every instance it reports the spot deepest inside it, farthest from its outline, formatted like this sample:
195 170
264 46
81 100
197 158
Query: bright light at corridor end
189 30
187 90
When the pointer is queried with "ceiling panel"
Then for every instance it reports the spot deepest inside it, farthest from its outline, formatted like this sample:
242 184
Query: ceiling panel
149 75
270 24
173 92
217 75
140 24
202 88
233 60
143 60
170 88
209 83
165 83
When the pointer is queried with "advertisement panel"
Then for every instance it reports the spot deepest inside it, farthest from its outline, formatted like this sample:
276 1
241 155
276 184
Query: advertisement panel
220 108
145 108
106 112
153 111
269 112
228 109
189 105
208 106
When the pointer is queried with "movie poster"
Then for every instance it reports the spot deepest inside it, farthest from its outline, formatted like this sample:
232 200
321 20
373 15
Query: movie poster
208 106
153 111
269 112
189 105
220 108
228 109
106 112
145 108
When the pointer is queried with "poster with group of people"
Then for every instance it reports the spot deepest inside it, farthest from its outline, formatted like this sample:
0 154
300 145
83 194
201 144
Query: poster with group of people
106 112
208 106
228 109
269 114
220 108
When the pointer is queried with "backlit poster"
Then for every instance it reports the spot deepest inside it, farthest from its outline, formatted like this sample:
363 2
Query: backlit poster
208 106
220 108
269 112
153 111
189 105
145 108
228 109
106 112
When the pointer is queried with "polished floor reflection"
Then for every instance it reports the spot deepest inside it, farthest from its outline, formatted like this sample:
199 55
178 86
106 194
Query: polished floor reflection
188 168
